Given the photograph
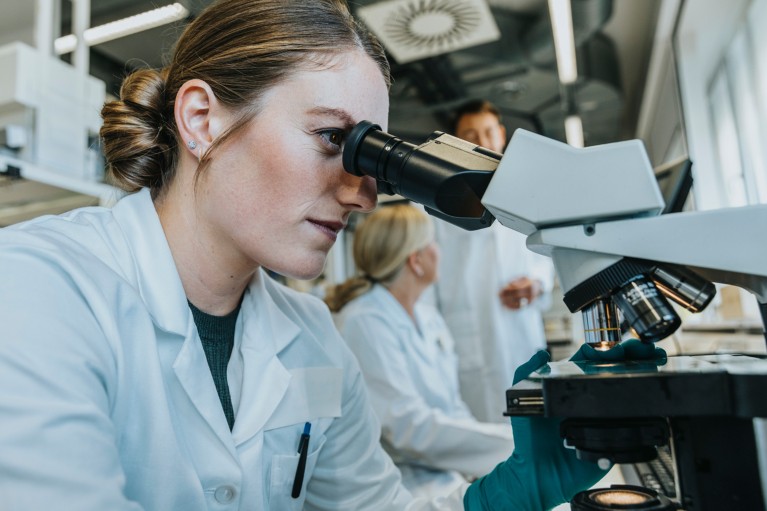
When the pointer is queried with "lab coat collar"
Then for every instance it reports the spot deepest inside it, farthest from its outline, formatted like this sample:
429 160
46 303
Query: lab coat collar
154 271
264 331
277 328
258 378
397 313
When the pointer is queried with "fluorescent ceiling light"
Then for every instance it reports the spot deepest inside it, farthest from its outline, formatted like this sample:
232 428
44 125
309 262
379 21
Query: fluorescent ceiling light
564 40
574 130
123 27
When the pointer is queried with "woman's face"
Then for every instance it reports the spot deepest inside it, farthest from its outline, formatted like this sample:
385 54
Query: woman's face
277 195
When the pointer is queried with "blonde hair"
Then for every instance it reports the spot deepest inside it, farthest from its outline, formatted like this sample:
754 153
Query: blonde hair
240 48
382 244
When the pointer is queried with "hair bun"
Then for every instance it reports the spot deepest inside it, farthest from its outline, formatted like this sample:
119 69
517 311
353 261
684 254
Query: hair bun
138 144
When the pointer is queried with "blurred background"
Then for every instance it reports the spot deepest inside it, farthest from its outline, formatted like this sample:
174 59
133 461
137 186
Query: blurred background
687 77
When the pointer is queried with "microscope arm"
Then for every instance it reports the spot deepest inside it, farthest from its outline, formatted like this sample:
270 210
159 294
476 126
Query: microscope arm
600 224
725 245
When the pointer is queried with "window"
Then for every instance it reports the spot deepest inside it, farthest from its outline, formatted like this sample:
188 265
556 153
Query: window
736 99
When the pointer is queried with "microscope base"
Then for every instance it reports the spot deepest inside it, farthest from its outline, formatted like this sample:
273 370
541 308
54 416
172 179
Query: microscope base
708 402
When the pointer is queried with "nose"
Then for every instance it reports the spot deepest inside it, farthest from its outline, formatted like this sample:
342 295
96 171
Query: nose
358 193
485 141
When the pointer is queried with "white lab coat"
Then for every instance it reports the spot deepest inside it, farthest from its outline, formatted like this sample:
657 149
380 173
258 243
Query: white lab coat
491 340
411 374
107 402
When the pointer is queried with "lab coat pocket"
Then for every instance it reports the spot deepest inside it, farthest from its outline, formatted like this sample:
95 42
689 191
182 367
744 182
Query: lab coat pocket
284 467
312 392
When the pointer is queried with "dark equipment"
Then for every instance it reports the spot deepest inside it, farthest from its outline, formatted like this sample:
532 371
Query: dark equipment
698 408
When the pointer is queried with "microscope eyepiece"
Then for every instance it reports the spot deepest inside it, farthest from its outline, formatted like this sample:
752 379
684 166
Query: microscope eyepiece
371 157
352 146
445 174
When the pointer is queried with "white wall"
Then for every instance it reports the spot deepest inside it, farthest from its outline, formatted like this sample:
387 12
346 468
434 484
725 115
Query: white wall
17 21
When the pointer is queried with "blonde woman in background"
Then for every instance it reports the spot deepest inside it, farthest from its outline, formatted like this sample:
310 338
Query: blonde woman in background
406 355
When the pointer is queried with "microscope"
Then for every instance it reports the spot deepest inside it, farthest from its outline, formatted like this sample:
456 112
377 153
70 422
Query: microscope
596 212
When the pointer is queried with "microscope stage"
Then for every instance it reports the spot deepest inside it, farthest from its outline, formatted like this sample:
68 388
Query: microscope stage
724 385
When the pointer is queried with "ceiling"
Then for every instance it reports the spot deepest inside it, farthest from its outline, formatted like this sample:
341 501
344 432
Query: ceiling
517 71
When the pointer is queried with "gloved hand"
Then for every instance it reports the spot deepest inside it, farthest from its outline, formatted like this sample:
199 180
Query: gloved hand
541 473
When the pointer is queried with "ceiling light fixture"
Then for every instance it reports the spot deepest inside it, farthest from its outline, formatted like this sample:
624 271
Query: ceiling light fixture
417 29
574 130
564 39
123 27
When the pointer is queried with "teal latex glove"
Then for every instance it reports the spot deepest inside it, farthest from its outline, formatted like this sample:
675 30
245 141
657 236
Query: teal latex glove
630 356
631 349
541 473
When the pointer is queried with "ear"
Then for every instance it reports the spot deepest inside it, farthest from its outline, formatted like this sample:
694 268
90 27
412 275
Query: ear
414 263
200 117
503 130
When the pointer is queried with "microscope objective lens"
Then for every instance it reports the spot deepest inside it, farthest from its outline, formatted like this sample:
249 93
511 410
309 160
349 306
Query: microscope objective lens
646 309
601 325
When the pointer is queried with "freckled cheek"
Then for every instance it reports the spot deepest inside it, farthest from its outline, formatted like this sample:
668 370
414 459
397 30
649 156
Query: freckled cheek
283 195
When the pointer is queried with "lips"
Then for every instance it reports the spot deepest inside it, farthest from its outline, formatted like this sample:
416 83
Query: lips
329 228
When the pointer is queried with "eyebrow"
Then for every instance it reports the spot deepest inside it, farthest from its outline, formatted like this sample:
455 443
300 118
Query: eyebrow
335 112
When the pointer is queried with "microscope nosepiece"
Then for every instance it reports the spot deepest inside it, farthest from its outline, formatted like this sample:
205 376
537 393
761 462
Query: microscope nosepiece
629 285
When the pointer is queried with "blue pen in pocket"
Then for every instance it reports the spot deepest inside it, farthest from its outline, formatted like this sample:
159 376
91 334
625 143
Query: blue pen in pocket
303 451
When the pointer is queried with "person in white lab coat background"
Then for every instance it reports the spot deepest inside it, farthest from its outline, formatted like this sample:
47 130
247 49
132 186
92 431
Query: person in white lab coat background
493 290
147 362
406 355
